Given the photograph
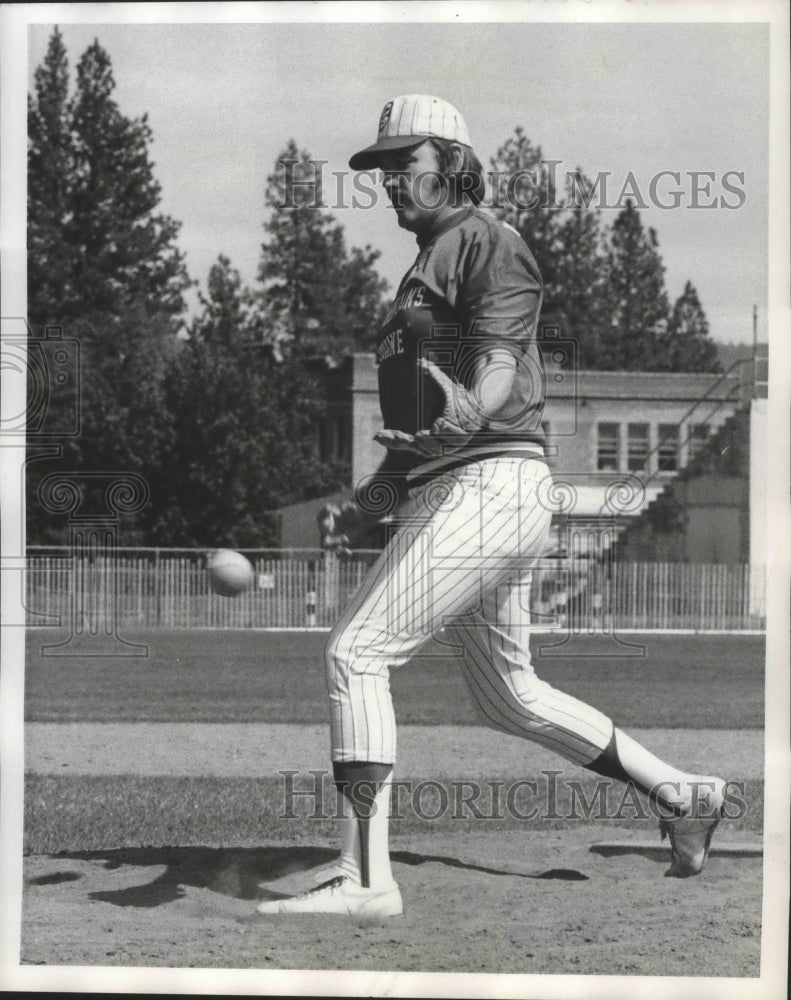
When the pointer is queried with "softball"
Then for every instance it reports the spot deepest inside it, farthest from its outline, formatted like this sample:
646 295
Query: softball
230 572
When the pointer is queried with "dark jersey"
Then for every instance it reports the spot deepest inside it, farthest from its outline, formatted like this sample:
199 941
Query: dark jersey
473 287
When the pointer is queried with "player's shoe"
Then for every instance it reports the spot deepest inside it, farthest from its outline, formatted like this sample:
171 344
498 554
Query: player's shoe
334 869
340 895
690 835
316 876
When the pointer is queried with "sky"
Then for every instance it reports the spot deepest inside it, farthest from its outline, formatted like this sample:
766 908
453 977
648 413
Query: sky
223 100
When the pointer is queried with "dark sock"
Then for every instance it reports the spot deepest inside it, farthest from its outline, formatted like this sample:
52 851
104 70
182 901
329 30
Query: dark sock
608 764
359 782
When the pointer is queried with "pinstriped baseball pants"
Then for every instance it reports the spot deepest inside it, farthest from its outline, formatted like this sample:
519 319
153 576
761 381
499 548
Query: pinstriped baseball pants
460 560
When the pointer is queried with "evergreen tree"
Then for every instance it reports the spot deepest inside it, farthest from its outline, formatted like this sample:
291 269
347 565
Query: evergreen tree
581 276
362 297
242 436
51 263
524 195
103 266
95 240
637 301
689 346
126 425
321 299
603 285
128 251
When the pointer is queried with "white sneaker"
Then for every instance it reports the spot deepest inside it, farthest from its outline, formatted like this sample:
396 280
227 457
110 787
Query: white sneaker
334 869
690 835
340 895
299 882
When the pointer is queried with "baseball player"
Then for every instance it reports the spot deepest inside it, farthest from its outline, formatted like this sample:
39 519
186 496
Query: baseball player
461 387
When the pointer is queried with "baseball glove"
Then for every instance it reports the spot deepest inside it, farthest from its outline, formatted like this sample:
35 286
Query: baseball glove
459 420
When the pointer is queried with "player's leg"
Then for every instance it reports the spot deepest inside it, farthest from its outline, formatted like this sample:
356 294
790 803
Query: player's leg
497 666
453 543
457 541
432 568
508 695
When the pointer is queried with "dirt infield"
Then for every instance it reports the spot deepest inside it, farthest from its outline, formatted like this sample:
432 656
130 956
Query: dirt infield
545 902
520 904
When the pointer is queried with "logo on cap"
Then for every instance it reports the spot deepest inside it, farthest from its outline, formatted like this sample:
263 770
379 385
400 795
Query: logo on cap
385 117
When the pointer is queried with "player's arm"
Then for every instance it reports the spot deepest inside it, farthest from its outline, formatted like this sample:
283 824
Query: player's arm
467 410
499 297
343 527
493 381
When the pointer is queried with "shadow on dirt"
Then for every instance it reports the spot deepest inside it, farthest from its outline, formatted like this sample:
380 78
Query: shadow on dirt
240 872
55 878
563 874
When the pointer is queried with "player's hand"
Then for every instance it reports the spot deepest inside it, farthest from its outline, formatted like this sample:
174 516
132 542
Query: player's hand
401 441
336 525
395 440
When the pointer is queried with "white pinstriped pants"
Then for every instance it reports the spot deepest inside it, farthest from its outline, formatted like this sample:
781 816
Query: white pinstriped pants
461 560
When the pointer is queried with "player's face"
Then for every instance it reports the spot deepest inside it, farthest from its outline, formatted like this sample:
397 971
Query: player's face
413 186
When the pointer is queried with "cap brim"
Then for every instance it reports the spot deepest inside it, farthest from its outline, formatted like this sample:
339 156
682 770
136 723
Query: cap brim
368 158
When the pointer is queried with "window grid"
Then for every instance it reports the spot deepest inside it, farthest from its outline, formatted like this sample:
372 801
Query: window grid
637 447
667 452
608 447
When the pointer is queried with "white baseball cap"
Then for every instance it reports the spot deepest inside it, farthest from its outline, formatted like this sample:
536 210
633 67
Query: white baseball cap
407 121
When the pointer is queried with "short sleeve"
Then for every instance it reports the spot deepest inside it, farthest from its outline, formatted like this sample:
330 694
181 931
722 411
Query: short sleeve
500 291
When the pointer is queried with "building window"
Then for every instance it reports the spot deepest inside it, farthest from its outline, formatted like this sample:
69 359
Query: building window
668 448
637 447
698 436
608 447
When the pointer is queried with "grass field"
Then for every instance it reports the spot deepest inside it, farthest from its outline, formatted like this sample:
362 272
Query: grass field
675 681
126 868
679 682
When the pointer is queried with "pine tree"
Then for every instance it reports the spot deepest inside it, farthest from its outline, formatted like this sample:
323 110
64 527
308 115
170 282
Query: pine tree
603 285
581 276
50 172
524 195
637 300
126 424
230 312
321 299
95 240
128 251
103 266
362 294
243 428
689 345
